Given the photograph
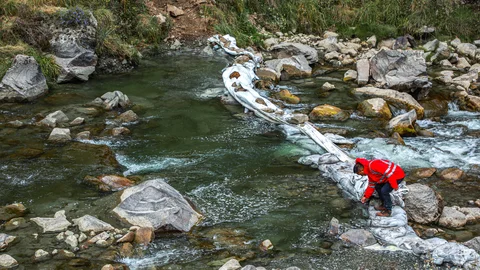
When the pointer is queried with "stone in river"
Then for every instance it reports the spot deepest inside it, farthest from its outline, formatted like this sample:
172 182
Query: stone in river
56 224
90 223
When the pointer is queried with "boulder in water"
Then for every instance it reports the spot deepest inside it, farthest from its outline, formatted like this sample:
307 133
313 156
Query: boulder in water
7 262
24 81
291 68
404 124
89 223
375 107
56 224
452 218
287 49
156 204
452 174
422 204
328 112
60 135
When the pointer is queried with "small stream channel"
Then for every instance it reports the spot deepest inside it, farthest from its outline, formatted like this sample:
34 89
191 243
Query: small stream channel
238 170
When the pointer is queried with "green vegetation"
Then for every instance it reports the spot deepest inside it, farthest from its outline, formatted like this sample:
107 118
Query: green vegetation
360 18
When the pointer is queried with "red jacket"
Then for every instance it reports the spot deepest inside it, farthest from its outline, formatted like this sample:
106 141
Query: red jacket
380 171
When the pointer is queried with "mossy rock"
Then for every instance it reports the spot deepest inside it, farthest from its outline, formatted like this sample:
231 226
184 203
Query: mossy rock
328 112
288 97
375 108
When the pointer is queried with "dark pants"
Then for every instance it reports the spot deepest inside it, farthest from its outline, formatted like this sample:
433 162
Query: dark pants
383 191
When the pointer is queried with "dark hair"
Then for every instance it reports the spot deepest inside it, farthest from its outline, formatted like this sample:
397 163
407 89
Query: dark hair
357 167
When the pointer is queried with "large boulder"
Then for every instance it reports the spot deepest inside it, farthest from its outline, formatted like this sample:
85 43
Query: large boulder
287 49
422 204
397 98
400 70
24 81
375 107
290 68
74 48
452 218
403 124
156 204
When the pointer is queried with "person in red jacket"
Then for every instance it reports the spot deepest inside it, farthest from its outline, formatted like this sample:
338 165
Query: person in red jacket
383 176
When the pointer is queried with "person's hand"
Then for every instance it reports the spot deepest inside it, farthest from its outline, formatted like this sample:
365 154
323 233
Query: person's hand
363 200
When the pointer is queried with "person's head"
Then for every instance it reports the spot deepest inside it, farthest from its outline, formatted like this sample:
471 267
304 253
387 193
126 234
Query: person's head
359 169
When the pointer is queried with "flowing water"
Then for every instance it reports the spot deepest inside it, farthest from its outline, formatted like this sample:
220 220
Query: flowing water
238 170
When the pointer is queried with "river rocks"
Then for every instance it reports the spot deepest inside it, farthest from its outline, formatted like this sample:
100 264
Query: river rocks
358 237
288 97
392 96
452 218
156 204
472 213
6 240
363 70
328 112
52 119
285 50
334 227
434 108
328 86
128 237
350 75
118 131
84 135
431 45
375 107
12 211
400 70
404 124
268 74
77 121
109 182
128 117
41 255
422 173
297 118
454 253
7 262
232 264
56 224
72 241
291 68
474 244
15 223
144 235
89 223
462 63
23 81
466 79
452 174
60 135
467 49
266 245
115 99
422 204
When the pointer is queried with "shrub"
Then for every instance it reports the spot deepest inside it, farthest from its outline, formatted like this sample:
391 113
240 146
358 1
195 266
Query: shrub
74 17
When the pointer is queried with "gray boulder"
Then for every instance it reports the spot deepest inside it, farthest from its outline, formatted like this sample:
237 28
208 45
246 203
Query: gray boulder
289 68
7 262
474 244
467 49
422 204
58 223
90 223
400 70
60 135
363 70
115 99
53 119
400 99
286 50
376 108
74 50
431 45
156 204
403 124
358 237
452 218
453 253
24 81
329 44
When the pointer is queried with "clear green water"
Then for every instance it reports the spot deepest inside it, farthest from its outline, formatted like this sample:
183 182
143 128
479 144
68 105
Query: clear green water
240 173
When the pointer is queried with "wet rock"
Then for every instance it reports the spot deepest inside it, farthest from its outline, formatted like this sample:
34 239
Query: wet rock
23 81
6 240
474 244
358 237
89 223
287 49
232 264
397 139
422 204
452 174
422 173
56 224
126 250
79 262
363 70
472 213
72 241
375 107
7 262
400 70
266 245
12 211
109 182
174 11
434 108
328 86
129 237
77 121
291 68
328 112
60 135
156 204
84 135
288 97
144 235
53 119
128 117
15 223
63 255
334 227
268 74
297 118
392 96
452 218
116 99
350 75
404 124
41 255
